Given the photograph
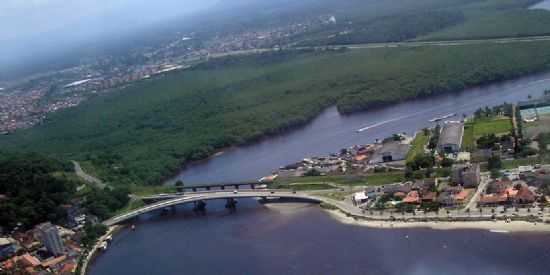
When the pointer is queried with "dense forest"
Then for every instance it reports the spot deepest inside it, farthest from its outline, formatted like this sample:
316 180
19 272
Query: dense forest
147 132
426 20
35 188
31 192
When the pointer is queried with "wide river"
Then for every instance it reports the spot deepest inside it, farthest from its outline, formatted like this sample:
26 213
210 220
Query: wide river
303 239
330 131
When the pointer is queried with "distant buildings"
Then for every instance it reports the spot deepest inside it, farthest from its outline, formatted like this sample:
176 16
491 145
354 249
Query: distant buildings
49 236
450 139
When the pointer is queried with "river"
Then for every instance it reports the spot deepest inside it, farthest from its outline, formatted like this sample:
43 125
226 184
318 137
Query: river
303 239
544 5
330 131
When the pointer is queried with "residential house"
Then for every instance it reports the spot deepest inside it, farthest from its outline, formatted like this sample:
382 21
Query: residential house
412 197
525 196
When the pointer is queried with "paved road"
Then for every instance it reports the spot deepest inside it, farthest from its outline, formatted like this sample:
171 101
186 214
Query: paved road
472 204
86 177
505 40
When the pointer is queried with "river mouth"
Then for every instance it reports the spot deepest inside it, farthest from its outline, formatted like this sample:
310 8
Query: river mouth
330 131
297 238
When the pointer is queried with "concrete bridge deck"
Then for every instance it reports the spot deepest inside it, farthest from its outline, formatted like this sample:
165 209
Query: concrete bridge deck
174 200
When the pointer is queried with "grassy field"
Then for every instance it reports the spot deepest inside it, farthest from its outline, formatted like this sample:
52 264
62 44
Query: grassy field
495 126
370 179
468 140
148 131
417 146
479 127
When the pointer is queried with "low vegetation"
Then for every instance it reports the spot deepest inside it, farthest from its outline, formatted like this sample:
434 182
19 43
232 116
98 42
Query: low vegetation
419 143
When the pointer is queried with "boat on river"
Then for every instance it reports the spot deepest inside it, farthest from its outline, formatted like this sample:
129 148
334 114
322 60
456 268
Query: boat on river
436 119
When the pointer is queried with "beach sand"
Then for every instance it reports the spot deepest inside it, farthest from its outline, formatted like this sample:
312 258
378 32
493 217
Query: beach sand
493 226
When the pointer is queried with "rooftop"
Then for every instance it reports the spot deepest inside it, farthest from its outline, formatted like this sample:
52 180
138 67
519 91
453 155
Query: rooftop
451 133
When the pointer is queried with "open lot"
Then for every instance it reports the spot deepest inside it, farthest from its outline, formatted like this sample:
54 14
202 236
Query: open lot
533 129
480 127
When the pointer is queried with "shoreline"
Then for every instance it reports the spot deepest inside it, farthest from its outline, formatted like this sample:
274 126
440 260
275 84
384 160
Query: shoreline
173 175
94 252
492 226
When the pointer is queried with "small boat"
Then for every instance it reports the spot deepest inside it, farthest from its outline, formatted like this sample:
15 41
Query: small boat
103 245
440 118
133 227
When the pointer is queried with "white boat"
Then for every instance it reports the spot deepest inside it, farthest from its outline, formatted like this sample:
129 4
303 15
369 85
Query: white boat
435 119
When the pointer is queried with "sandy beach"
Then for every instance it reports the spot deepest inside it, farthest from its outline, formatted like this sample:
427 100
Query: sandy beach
493 226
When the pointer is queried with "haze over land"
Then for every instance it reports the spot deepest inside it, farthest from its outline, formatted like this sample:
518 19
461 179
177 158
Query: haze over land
231 99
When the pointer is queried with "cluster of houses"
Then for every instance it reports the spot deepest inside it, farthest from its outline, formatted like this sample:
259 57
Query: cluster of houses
47 249
517 189
356 159
430 192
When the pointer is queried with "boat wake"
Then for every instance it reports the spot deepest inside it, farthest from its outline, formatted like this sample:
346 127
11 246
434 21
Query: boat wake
395 119
381 123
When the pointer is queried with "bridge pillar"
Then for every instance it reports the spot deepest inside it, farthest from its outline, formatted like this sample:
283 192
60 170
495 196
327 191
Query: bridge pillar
236 186
207 188
200 206
252 186
222 187
194 189
231 204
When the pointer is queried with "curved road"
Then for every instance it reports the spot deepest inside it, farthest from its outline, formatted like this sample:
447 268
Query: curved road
86 177
194 197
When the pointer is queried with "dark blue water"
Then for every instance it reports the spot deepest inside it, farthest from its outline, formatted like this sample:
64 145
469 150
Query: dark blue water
330 132
302 239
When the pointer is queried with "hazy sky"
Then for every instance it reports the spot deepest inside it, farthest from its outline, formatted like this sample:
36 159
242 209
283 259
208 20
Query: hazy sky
30 27
31 17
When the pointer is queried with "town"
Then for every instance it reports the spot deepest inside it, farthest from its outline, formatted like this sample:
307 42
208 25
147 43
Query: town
27 102
490 162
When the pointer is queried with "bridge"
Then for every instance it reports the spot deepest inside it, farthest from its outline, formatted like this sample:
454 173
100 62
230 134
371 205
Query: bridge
174 200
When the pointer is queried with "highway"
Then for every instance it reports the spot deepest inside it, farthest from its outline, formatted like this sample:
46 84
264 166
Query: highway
409 44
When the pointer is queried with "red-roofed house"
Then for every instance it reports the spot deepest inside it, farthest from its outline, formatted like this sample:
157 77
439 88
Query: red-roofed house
525 196
413 198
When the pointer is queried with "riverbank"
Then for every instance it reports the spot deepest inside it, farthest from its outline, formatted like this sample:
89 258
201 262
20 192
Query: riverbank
493 226
95 249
